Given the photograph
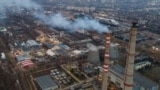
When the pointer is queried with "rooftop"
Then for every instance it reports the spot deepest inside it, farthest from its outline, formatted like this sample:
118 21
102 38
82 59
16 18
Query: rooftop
32 43
22 57
3 29
46 82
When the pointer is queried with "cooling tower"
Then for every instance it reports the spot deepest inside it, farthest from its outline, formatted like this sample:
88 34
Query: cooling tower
114 53
93 56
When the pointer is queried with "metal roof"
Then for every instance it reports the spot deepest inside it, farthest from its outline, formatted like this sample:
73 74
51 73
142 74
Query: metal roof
138 79
60 51
46 82
32 43
22 57
3 29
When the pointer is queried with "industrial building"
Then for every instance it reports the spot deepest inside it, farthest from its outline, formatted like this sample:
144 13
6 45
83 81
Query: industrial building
3 56
125 79
111 22
32 44
125 37
116 75
142 62
46 83
3 30
22 57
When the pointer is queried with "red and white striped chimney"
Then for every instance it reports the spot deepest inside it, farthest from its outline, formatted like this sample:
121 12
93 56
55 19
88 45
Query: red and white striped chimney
106 62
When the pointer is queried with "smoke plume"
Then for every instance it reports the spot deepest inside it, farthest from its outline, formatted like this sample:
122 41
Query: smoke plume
55 20
58 20
18 4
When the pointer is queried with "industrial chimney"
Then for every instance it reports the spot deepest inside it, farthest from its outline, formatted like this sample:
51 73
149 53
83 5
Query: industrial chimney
106 62
128 83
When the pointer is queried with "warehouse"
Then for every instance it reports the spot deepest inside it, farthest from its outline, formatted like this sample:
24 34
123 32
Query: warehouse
46 83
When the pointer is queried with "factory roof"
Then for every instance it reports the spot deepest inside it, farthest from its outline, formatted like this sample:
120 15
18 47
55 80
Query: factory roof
65 46
25 48
139 37
3 29
56 47
77 52
50 52
47 45
32 43
3 56
138 79
46 82
60 51
22 57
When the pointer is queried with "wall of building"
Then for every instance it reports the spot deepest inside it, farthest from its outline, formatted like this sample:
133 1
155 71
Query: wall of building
51 88
116 79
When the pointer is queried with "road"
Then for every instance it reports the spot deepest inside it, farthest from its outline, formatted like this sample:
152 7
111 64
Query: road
24 81
70 73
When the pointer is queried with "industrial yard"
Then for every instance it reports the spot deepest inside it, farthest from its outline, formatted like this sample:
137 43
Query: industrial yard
66 47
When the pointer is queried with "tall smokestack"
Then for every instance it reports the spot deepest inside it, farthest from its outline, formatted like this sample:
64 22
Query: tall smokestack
128 84
106 62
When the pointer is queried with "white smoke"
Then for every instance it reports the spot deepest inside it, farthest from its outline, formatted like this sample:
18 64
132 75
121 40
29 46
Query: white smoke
58 20
55 20
18 4
86 23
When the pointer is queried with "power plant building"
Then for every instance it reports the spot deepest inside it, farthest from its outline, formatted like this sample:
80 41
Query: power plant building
116 75
125 79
